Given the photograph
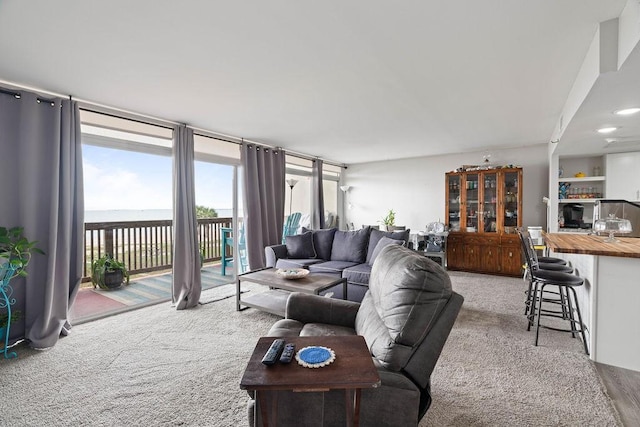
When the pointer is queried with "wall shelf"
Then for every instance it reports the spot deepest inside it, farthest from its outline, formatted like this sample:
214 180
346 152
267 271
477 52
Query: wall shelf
578 200
583 179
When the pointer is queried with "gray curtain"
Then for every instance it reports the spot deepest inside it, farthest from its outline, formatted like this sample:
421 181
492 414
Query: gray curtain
187 283
264 173
41 176
317 216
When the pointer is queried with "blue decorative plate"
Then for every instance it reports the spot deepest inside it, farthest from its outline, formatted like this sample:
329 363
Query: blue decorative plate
315 356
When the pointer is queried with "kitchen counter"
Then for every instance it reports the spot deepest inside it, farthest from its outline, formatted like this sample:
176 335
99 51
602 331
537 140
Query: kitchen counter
610 294
575 243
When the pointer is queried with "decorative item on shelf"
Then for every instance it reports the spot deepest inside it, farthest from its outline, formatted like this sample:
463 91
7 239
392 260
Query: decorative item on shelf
564 189
108 273
292 273
580 175
612 225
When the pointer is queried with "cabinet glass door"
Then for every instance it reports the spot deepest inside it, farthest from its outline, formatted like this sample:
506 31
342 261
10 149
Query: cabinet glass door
472 201
489 202
510 201
453 220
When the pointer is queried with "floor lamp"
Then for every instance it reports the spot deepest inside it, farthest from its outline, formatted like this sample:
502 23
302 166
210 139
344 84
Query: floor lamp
292 183
345 189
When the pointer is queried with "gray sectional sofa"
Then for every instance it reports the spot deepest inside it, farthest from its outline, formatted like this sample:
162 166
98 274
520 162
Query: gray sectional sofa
348 254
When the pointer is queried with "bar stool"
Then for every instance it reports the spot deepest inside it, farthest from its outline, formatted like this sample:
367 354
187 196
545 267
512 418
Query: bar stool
532 262
566 282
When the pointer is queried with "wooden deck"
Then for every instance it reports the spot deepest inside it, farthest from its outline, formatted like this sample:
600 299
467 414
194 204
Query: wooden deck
91 304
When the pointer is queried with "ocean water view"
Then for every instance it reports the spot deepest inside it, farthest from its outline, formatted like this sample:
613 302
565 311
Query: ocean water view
118 215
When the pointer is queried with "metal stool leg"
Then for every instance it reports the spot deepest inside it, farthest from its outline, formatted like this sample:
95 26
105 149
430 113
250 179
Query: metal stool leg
527 307
584 337
532 306
537 318
570 308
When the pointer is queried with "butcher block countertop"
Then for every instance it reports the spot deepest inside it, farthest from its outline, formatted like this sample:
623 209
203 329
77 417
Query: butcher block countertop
569 243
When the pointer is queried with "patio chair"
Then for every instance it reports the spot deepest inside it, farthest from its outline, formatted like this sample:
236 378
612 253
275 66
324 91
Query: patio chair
291 225
227 247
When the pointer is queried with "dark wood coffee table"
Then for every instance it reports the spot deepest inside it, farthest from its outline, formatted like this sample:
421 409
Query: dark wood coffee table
351 371
275 299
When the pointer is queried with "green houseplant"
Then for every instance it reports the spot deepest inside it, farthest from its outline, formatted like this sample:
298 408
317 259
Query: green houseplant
389 221
4 320
108 273
15 252
15 255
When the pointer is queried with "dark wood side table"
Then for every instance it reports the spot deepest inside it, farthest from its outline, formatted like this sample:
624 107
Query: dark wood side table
351 371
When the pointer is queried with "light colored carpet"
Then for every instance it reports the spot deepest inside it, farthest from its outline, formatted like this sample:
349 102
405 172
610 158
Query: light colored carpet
158 366
219 293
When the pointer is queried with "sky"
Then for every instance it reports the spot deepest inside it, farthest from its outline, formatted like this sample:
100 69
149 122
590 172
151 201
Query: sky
116 179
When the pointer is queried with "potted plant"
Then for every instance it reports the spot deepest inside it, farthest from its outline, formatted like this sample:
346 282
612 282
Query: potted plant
108 273
4 321
389 221
15 253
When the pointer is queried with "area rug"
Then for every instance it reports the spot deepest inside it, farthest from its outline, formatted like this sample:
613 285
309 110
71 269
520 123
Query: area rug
157 366
148 289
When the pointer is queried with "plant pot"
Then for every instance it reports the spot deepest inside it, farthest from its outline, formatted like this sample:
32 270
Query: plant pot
113 279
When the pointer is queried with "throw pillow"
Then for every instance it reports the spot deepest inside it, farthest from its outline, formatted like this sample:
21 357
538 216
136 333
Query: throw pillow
300 246
383 243
322 241
350 245
376 235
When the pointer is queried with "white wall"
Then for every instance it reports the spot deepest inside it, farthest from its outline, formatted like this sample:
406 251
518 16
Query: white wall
415 188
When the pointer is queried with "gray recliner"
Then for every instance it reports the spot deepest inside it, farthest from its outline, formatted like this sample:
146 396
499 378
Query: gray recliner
405 318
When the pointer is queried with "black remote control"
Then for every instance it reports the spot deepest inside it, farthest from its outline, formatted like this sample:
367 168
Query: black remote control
287 353
273 353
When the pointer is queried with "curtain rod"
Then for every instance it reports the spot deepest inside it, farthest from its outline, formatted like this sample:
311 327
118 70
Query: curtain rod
160 121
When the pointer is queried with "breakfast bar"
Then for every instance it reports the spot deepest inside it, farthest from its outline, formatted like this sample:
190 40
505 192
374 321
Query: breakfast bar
610 297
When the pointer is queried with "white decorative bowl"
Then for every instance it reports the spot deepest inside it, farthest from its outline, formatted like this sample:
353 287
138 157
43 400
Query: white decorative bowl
292 273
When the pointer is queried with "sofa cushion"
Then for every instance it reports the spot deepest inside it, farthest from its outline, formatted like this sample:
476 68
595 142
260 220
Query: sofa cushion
322 242
300 245
350 245
296 263
406 294
358 274
376 235
331 267
383 243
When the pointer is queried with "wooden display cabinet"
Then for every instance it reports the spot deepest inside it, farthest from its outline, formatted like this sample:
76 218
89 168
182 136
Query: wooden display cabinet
482 212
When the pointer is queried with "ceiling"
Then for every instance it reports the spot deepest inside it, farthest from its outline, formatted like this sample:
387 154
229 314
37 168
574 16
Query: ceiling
348 81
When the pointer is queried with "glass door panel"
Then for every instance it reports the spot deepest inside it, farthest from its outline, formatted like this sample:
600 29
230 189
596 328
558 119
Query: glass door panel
453 220
472 202
510 201
489 202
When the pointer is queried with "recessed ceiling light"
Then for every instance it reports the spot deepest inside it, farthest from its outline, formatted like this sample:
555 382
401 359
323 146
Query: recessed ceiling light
628 111
607 130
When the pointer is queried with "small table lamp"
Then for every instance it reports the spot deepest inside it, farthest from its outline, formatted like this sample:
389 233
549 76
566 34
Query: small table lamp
612 225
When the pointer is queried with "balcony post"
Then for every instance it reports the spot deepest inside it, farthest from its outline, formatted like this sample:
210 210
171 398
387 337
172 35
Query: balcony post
108 241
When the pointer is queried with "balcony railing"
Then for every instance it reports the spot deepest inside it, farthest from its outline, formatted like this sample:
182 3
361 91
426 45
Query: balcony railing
146 246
